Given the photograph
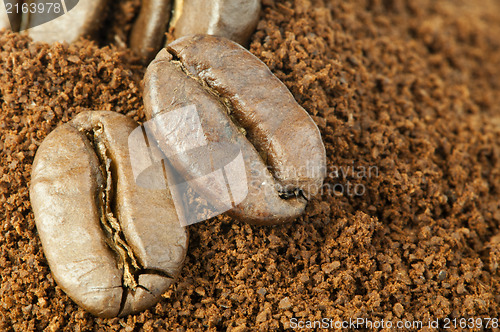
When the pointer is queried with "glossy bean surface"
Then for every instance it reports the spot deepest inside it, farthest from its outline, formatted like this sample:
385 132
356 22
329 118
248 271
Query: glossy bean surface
240 103
114 247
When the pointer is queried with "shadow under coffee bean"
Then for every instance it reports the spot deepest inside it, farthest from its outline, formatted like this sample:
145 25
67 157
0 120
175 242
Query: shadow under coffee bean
112 246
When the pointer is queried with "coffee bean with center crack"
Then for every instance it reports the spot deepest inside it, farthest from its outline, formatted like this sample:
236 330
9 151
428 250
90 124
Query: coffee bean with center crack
112 246
239 102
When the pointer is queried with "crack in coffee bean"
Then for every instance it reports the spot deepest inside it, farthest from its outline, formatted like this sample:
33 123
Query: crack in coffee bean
110 224
228 106
114 247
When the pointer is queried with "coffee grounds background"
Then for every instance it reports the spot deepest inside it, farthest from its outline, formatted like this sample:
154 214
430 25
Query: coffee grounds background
408 87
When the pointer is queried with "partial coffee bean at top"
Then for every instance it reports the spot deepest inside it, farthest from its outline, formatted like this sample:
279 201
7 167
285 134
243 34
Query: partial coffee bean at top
148 33
241 104
69 20
64 21
54 21
232 19
112 246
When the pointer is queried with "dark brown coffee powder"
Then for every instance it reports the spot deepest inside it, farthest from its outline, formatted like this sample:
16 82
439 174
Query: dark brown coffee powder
406 95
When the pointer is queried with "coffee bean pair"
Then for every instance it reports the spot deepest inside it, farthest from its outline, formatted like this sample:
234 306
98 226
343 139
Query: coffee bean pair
114 246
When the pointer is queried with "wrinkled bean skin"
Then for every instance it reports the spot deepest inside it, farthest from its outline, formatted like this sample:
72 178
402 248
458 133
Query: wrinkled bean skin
279 133
232 19
84 20
148 33
66 194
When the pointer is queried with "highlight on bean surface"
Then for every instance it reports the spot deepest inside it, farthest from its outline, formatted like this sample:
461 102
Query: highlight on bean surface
238 102
114 247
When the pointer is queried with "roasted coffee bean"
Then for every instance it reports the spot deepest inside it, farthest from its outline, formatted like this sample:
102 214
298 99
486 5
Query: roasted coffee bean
148 33
58 23
239 102
112 246
232 19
